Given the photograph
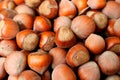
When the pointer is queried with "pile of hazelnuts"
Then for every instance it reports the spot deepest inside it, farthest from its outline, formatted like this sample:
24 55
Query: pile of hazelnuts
59 39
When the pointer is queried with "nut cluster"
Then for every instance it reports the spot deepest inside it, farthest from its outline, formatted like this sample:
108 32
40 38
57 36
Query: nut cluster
59 39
